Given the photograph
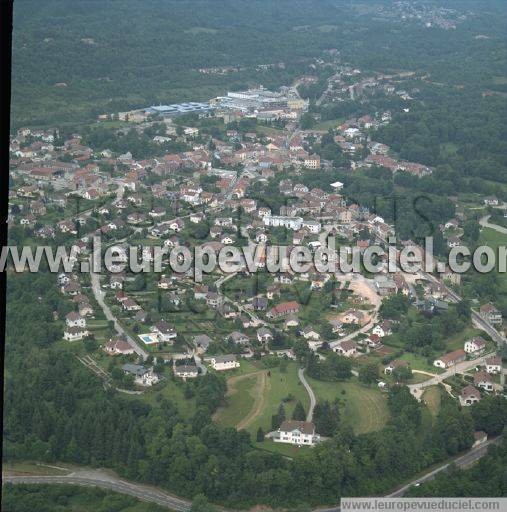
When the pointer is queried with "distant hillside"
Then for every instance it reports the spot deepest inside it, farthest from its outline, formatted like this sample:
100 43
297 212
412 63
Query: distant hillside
75 59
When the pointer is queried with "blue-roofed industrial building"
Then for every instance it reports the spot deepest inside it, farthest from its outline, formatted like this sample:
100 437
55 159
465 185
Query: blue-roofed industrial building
178 109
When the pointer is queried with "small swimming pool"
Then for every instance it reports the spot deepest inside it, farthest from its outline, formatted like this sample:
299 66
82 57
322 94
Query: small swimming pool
148 339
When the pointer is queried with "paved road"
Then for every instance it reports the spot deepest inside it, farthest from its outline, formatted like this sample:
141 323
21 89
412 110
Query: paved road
99 297
417 389
105 480
311 394
97 478
465 460
484 222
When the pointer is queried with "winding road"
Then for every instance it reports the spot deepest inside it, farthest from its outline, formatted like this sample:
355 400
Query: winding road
311 394
109 481
484 222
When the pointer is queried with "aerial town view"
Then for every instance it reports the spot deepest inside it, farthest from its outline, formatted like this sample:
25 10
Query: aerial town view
256 256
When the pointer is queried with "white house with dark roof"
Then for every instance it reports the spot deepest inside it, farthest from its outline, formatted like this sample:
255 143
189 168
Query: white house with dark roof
297 432
346 348
483 380
186 371
494 365
75 333
74 319
227 362
165 332
475 346
469 396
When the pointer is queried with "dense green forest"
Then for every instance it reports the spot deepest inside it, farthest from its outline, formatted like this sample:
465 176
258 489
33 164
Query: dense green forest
113 55
56 410
486 478
67 498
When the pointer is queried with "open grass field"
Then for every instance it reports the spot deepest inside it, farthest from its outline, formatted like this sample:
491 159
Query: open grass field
286 450
331 123
171 390
418 362
255 394
365 409
432 396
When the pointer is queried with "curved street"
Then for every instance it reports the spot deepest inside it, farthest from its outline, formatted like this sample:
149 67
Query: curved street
109 481
484 222
311 394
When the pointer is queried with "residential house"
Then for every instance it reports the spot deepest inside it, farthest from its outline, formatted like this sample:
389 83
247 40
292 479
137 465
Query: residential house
129 304
283 309
74 319
118 347
186 371
469 396
264 335
483 380
450 359
202 342
142 376
213 299
393 365
490 314
227 362
491 201
165 332
475 346
297 432
383 329
346 348
494 365
374 341
259 303
75 333
353 316
309 333
238 338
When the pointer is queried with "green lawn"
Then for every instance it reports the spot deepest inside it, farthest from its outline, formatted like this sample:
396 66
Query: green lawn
365 409
418 362
331 123
287 450
253 399
239 402
171 390
432 396
279 386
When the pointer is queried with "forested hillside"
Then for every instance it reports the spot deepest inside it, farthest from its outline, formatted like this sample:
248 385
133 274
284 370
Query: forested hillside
56 410
106 55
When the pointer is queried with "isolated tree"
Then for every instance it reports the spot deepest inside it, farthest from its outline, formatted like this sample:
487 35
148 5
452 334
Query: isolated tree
260 435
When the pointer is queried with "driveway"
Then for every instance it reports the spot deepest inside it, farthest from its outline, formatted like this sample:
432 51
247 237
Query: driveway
311 394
